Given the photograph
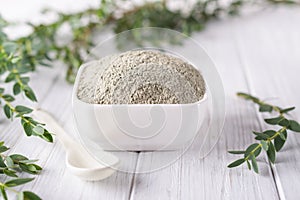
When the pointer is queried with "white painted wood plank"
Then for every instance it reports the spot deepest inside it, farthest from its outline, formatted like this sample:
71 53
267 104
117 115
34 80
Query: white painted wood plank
192 178
271 56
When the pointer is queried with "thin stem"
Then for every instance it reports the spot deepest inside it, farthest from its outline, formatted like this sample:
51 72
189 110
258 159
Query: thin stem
268 140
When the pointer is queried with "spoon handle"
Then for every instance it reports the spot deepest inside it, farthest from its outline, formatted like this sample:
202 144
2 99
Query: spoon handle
53 126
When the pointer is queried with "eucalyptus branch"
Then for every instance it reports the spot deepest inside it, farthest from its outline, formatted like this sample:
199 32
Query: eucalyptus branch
271 141
30 126
43 45
10 165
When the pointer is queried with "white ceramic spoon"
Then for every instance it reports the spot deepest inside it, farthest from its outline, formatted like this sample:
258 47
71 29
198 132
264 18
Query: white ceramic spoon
78 160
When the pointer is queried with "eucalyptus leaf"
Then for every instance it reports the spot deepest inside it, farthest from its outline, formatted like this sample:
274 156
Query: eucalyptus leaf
7 111
30 196
23 109
279 141
18 157
2 164
236 152
8 97
3 192
271 153
38 130
284 122
10 77
3 149
17 182
249 165
264 144
260 136
27 128
30 94
236 163
247 96
274 121
265 108
294 126
16 89
286 110
9 162
254 163
10 173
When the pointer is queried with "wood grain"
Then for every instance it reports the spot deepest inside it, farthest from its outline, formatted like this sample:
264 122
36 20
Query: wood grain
257 53
272 65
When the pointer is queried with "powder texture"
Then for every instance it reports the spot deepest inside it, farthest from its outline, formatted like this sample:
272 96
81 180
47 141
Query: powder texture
141 77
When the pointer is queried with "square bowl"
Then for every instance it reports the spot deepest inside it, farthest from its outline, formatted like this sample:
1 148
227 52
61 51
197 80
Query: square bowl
136 127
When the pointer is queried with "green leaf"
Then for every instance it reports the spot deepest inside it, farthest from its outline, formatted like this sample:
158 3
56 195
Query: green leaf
279 141
1 90
249 165
265 108
284 122
8 98
247 96
10 77
251 148
28 161
23 110
254 163
25 80
282 136
274 121
18 157
236 152
294 126
271 153
17 89
17 182
286 110
31 196
2 164
236 163
27 128
7 111
260 136
10 173
30 94
30 168
264 145
47 137
3 149
3 192
38 130
9 162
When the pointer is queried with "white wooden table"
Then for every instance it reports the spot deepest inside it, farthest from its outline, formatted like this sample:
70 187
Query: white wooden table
257 53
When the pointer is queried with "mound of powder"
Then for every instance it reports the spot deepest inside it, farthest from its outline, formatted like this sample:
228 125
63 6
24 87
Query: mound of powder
140 77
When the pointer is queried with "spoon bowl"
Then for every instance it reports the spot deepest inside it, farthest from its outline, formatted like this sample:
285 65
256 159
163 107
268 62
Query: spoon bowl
78 160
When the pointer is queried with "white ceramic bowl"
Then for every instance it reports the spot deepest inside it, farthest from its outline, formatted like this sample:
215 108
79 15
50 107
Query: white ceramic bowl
137 127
